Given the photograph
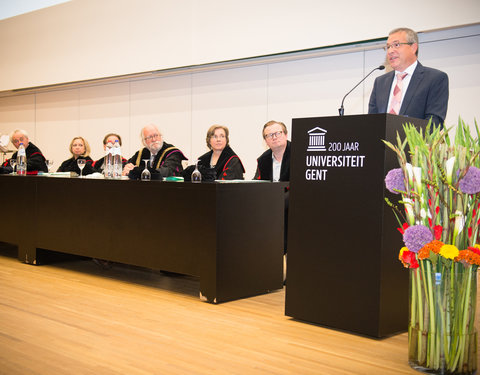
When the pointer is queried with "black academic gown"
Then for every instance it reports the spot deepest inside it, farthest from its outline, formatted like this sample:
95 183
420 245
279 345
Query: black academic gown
228 167
70 165
35 161
167 162
98 165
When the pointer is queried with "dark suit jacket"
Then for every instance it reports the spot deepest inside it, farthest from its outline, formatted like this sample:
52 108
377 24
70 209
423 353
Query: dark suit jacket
265 165
426 96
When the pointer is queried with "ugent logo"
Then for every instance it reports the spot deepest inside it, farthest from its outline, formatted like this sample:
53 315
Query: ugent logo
316 139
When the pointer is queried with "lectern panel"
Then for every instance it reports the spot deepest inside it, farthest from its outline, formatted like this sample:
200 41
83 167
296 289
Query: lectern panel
343 268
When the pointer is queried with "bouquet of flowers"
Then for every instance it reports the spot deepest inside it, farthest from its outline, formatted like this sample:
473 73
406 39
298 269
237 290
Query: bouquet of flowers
439 186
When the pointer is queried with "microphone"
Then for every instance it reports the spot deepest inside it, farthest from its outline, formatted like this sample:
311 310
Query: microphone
341 110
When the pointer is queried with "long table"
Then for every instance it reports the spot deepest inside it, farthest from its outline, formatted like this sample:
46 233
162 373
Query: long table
230 235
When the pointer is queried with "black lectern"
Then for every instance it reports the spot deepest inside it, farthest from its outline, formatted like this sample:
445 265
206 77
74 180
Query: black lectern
343 269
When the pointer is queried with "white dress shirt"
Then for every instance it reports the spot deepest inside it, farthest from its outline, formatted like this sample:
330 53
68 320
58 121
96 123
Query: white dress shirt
276 167
406 82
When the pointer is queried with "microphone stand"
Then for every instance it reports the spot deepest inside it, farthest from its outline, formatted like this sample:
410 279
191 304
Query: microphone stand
341 109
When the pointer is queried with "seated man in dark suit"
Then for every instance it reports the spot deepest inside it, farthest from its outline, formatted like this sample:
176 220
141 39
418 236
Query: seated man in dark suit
411 89
274 165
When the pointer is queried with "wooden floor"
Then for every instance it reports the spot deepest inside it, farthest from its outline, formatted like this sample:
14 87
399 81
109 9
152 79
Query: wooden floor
73 317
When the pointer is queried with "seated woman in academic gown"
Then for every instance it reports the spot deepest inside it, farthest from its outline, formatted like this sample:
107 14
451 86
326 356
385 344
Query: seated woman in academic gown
221 157
79 149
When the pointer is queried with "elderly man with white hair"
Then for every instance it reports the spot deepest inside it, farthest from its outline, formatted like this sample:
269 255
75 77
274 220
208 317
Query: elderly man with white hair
164 158
35 159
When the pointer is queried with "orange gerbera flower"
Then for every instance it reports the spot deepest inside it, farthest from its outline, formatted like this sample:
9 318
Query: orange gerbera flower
434 246
468 256
423 253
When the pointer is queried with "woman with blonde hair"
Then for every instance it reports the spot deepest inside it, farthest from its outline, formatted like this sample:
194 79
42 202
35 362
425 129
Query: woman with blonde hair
80 149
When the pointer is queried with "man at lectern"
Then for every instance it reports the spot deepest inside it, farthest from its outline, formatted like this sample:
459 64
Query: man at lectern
411 89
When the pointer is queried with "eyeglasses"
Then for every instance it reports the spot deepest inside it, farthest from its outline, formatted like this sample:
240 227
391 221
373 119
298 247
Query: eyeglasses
276 135
394 45
153 136
18 140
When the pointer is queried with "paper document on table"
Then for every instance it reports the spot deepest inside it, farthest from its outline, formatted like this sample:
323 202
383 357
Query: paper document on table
58 174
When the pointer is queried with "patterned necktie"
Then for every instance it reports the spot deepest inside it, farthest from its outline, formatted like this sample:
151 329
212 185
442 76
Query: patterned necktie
397 94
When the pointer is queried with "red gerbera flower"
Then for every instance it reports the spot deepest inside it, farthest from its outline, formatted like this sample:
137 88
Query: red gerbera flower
410 259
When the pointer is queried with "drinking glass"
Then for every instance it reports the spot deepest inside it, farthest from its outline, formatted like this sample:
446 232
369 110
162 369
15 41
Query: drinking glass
146 176
13 162
196 175
49 163
81 165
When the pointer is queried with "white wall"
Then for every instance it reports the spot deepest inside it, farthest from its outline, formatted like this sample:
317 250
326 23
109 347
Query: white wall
87 39
243 98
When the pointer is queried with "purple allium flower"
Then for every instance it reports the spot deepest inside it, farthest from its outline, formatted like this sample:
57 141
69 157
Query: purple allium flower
416 237
394 180
470 183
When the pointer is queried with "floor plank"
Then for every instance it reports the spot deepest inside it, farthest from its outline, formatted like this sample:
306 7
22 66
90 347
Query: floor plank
73 317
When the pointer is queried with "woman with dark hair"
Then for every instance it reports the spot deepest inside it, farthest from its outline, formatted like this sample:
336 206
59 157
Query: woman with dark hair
221 157
99 165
